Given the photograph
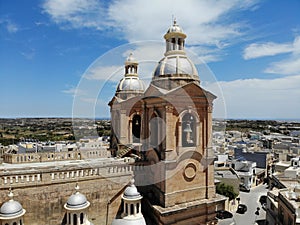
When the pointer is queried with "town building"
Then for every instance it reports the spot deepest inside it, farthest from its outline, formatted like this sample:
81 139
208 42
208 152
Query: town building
283 202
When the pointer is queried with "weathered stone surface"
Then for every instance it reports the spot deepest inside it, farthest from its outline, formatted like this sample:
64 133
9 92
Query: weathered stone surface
44 199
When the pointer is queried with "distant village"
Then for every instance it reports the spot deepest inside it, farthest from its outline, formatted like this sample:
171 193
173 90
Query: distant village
247 153
265 152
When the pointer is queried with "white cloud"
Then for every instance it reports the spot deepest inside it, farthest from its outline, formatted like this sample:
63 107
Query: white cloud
151 19
74 91
10 26
258 98
76 13
110 66
205 54
288 66
148 20
266 49
112 73
256 50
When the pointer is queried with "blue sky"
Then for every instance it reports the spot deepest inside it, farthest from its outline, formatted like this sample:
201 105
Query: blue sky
53 50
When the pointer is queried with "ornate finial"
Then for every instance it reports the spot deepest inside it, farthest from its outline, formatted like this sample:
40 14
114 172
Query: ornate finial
130 57
77 188
131 182
174 21
10 194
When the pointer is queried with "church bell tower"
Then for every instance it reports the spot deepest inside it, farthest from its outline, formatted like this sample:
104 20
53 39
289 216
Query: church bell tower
174 166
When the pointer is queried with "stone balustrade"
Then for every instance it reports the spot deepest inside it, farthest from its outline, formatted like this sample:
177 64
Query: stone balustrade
55 156
56 174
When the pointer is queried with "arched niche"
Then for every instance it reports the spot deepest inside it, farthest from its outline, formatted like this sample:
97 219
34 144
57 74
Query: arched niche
156 130
136 128
188 129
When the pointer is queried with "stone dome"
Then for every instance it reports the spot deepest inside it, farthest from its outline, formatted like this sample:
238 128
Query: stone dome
11 208
131 83
131 191
174 28
77 200
177 64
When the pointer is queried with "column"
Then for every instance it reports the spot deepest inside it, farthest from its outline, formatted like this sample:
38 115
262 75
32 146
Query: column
123 127
38 177
134 209
78 219
68 218
169 129
124 208
71 217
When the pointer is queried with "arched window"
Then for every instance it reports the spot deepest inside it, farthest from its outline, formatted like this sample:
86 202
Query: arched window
126 209
174 43
188 130
15 223
69 218
74 219
136 128
138 207
81 218
131 209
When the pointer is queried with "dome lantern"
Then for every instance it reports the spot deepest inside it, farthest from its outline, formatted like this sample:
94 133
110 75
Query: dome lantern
175 69
12 211
76 209
132 211
77 200
131 66
175 38
130 85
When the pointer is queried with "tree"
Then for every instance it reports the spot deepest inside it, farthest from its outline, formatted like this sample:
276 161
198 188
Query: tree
226 190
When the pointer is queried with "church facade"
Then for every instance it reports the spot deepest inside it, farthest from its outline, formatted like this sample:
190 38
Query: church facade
167 127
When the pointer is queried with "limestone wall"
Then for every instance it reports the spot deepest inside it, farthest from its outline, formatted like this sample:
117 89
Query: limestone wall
44 192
